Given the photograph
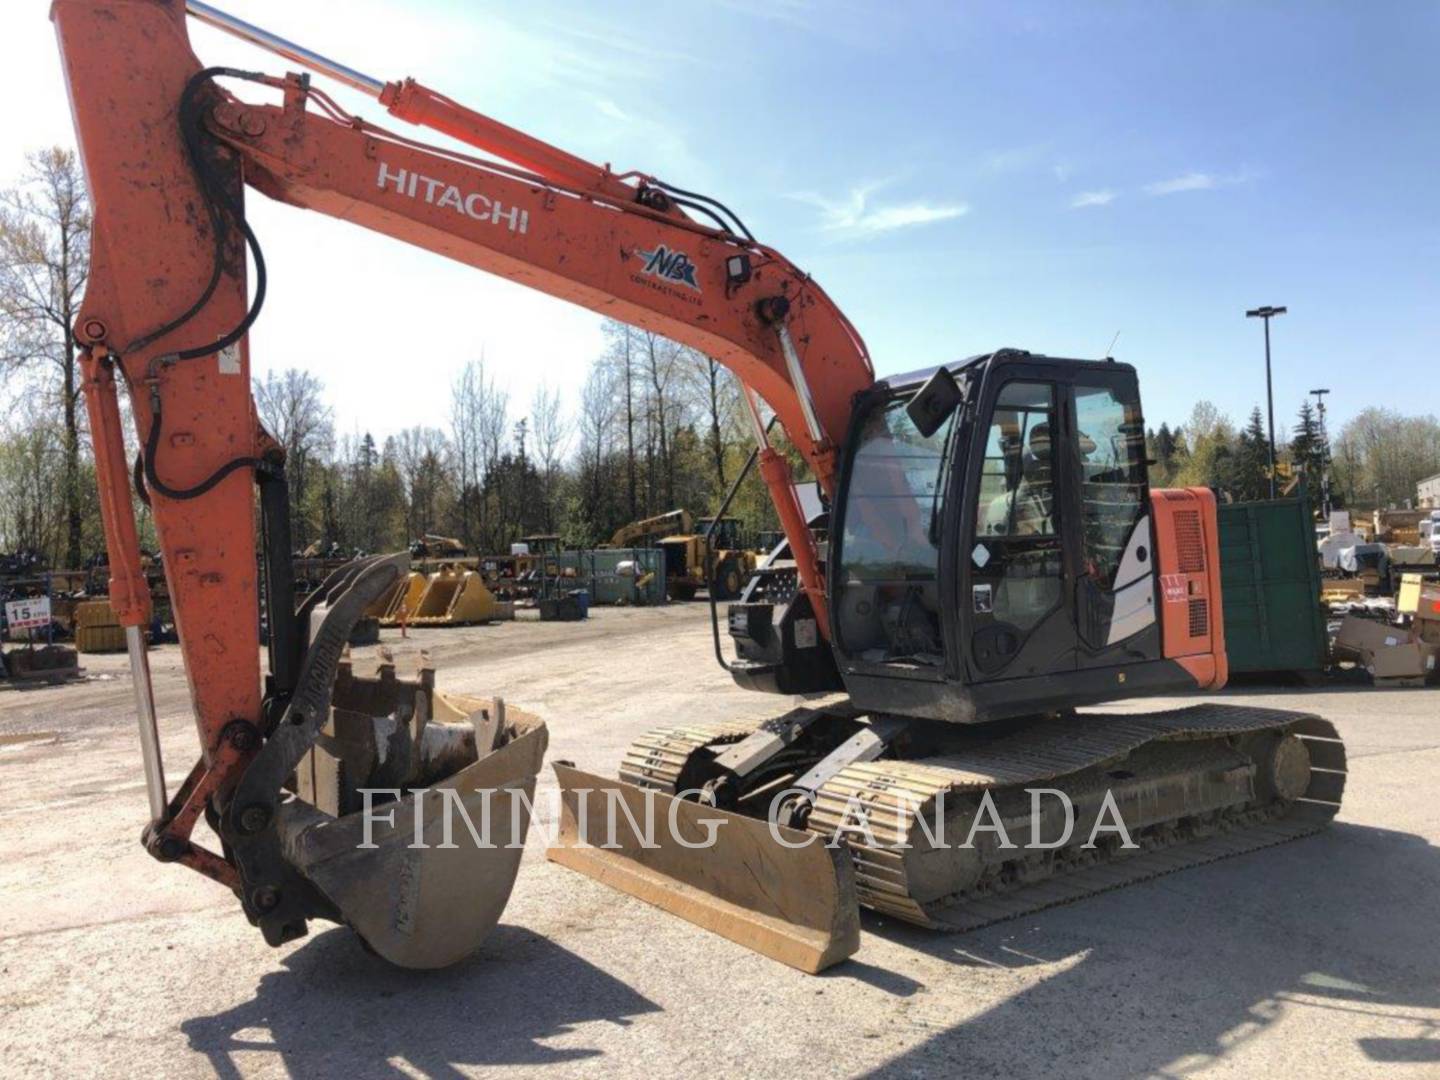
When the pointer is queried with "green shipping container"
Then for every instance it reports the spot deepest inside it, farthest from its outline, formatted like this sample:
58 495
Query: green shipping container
1270 587
598 572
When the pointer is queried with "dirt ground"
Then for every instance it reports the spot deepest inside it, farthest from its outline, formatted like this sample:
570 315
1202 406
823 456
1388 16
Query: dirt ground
1319 958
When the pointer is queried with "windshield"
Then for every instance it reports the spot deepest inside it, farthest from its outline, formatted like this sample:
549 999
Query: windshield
890 541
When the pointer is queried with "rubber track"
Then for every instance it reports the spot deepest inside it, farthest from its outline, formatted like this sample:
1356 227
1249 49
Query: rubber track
657 758
892 793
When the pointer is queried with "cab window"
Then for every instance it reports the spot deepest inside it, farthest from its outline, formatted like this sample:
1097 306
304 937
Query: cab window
1111 436
1017 486
888 600
1016 565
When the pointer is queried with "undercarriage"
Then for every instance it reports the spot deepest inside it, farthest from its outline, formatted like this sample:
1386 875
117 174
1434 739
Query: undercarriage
955 827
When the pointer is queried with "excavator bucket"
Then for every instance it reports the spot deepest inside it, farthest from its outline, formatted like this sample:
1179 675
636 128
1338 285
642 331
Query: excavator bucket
778 891
455 597
380 607
402 599
378 802
409 874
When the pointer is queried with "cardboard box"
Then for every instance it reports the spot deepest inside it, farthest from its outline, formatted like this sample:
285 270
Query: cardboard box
1427 607
1430 650
1361 637
1407 661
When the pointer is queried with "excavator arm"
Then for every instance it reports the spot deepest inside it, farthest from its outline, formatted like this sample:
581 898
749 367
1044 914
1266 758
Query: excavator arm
169 148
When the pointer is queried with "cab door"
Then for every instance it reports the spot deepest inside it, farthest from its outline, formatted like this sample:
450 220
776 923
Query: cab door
1017 554
1115 613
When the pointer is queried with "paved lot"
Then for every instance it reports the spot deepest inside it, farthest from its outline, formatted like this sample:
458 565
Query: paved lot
1320 958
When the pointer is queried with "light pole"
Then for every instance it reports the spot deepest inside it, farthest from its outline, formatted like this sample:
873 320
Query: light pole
1324 452
1267 313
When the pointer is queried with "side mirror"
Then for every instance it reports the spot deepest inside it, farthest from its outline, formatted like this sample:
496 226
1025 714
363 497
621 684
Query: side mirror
937 399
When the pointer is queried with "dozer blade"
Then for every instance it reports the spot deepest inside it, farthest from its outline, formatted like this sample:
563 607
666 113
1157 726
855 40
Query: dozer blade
776 890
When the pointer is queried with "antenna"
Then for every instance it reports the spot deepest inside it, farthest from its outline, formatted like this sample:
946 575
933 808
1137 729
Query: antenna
1110 352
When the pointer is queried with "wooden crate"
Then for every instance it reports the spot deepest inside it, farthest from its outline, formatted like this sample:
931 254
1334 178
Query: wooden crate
99 639
94 613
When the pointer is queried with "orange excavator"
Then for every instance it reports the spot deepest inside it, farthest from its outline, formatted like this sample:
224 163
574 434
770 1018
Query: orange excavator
985 558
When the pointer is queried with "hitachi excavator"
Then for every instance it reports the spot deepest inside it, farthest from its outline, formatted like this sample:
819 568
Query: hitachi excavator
987 560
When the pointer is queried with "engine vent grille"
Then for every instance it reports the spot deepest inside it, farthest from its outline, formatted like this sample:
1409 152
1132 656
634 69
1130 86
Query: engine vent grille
1189 544
1199 618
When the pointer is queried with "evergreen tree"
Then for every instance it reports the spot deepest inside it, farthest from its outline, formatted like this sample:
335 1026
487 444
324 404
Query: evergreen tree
1251 476
1307 448
1162 450
1165 449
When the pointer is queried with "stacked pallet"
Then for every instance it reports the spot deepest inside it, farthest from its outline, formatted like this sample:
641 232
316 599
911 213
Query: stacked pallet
97 629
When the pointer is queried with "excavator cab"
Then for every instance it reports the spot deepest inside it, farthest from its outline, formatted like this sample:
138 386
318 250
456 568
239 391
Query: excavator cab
996 558
1002 564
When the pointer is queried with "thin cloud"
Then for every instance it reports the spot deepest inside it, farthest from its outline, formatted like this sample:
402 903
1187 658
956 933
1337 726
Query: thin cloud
856 216
1197 181
613 111
1094 198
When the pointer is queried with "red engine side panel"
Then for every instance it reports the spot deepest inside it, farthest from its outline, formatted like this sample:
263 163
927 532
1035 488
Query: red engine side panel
1192 622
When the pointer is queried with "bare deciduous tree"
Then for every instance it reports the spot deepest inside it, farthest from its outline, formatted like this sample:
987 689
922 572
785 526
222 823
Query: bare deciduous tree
551 434
292 408
715 392
423 455
469 404
44 262
598 413
31 464
1381 455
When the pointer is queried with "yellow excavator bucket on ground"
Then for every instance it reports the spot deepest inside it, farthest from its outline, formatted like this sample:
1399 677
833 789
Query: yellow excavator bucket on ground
455 597
779 891
401 600
380 607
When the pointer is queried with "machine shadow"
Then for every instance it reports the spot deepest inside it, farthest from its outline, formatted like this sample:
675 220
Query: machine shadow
340 1011
1168 976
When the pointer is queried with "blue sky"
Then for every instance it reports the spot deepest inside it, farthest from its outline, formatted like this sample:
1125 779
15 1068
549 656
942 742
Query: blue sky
959 176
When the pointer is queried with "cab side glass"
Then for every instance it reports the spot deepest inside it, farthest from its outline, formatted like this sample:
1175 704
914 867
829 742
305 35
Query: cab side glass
887 602
1111 436
1016 564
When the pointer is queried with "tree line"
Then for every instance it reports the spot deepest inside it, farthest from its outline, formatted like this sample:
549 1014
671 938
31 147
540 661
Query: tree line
655 426
1376 459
